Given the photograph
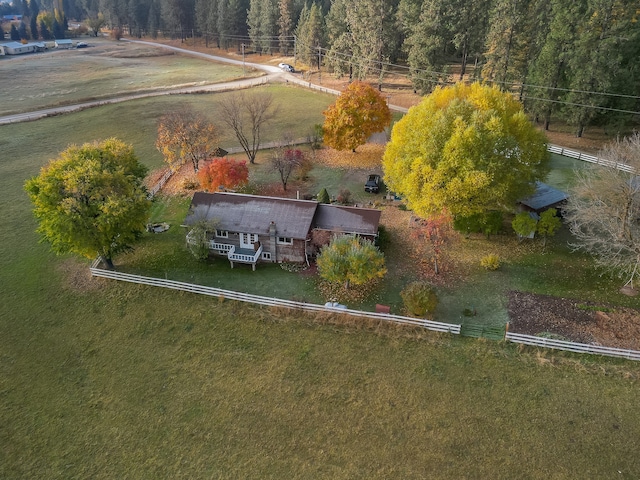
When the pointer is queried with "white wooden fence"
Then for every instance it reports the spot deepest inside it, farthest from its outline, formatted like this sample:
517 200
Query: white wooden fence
571 346
428 324
160 183
589 158
271 302
310 307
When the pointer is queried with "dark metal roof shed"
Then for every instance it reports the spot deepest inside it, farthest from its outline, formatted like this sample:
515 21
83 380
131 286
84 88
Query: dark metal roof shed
544 197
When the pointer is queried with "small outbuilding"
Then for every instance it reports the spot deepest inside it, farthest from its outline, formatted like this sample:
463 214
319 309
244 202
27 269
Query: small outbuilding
64 43
543 198
17 48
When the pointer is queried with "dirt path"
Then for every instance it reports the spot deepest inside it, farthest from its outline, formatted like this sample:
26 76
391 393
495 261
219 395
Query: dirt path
571 319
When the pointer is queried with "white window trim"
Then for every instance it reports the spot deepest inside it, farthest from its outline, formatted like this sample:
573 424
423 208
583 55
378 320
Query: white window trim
285 241
222 233
266 255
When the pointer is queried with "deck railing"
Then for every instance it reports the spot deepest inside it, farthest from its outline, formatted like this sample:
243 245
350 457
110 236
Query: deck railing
244 257
220 247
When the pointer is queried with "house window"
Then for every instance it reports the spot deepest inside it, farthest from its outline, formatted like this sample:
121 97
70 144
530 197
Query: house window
266 255
285 241
222 234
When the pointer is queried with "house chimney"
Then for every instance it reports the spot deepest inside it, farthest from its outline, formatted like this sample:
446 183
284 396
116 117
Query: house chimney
272 236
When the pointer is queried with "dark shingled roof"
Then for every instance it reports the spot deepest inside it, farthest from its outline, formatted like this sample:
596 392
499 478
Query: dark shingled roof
253 214
241 213
338 218
544 197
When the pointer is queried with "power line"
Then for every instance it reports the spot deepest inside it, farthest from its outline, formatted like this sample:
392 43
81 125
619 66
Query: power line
348 59
582 105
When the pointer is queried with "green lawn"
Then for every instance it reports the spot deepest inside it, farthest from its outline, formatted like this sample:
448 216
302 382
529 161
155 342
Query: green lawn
105 69
100 379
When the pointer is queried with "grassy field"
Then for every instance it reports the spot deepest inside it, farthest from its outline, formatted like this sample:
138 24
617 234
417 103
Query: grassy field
106 380
105 69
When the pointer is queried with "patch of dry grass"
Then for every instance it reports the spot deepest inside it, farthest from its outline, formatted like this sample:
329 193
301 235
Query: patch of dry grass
368 156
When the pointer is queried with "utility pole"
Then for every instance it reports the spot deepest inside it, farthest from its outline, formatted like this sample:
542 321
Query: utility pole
319 69
294 51
243 69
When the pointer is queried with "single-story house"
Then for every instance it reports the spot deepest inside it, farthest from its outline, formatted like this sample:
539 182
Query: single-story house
543 198
64 43
251 228
17 48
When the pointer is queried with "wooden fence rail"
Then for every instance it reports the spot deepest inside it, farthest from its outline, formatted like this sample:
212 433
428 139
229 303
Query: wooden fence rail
271 302
571 346
310 307
589 158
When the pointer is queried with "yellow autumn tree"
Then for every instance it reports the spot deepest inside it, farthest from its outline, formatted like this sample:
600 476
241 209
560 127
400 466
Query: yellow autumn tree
467 149
186 136
359 112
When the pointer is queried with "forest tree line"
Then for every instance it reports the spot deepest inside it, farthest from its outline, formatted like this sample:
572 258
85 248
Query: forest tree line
572 60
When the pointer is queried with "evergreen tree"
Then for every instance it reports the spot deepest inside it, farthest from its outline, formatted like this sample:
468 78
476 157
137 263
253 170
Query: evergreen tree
507 21
44 31
285 25
33 27
179 16
34 10
154 18
254 21
426 46
207 19
596 58
262 19
232 20
367 31
138 13
339 39
22 31
58 31
310 33
15 35
548 73
468 25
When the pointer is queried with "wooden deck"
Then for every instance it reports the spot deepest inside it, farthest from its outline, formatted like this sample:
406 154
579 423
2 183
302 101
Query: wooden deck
244 255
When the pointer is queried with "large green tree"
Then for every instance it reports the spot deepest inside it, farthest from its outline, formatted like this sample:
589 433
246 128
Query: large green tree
91 199
466 149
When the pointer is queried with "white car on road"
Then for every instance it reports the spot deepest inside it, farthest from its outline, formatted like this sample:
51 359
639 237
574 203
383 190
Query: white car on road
286 67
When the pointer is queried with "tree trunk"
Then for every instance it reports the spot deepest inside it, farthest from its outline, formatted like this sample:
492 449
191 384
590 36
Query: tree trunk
108 261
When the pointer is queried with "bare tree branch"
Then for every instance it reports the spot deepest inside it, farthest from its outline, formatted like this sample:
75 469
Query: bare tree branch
603 211
246 114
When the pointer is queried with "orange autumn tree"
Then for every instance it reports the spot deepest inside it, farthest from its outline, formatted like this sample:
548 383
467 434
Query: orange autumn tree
359 112
223 172
185 135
